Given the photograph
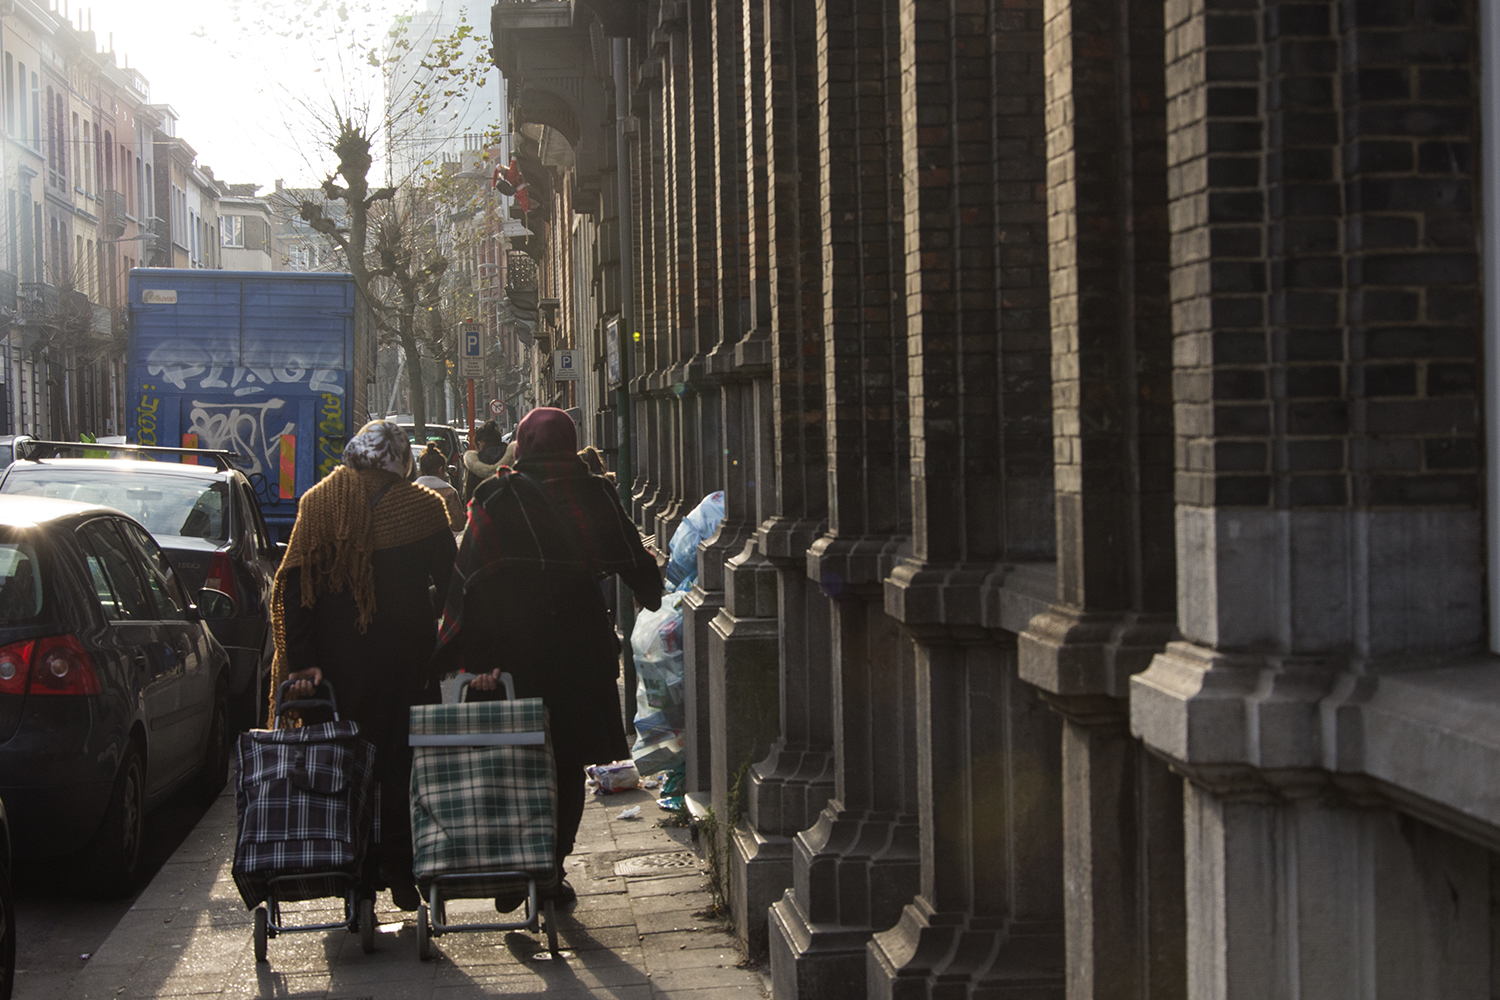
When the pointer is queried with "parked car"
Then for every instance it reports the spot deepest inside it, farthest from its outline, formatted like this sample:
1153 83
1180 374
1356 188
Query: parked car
113 690
8 445
209 521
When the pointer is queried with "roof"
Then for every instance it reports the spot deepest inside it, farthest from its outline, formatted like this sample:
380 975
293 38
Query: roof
28 512
204 472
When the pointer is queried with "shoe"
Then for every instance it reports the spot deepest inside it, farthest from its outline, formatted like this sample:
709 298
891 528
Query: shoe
405 895
507 903
564 895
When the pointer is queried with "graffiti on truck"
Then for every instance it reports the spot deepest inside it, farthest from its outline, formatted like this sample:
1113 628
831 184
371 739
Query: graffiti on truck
191 366
145 416
330 434
245 428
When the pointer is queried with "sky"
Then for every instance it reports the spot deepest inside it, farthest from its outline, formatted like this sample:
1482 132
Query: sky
242 73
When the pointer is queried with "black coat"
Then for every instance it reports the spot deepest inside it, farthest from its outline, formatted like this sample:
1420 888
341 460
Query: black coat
380 673
532 606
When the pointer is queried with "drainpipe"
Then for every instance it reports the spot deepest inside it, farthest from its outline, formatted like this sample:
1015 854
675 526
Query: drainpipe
624 460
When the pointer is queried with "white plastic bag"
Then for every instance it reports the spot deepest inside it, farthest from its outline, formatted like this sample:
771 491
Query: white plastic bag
659 714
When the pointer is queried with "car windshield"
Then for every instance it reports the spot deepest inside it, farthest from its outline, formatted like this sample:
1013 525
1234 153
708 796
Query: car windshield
165 505
20 583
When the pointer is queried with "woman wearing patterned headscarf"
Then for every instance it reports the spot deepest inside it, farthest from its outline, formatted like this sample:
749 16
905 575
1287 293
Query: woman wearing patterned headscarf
353 602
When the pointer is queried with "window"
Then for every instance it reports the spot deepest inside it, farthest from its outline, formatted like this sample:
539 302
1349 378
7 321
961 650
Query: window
171 599
234 230
116 573
10 92
20 583
77 174
36 112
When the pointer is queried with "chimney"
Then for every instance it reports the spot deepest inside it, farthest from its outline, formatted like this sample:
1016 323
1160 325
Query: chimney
278 183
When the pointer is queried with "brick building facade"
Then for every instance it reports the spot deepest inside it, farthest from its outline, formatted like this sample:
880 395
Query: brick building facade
1100 608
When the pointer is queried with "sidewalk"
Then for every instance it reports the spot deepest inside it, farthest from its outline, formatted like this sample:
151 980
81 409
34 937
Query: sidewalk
632 936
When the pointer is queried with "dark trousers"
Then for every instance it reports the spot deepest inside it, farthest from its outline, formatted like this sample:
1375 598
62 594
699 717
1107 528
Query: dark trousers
571 796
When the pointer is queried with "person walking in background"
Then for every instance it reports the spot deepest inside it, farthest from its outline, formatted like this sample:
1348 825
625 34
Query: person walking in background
541 536
433 466
486 456
353 603
593 458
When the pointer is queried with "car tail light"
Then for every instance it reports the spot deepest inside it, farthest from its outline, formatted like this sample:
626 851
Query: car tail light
60 665
15 666
221 576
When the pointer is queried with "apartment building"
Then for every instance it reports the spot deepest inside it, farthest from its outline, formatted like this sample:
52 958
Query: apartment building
247 231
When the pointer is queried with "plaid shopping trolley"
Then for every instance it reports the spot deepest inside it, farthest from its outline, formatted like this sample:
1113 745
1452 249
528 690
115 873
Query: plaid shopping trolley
483 808
306 803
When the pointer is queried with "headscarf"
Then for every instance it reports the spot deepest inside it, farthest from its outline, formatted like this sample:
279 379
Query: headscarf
546 432
363 506
380 444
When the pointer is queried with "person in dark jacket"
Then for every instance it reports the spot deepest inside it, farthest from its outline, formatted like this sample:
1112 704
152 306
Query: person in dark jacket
541 536
353 603
481 463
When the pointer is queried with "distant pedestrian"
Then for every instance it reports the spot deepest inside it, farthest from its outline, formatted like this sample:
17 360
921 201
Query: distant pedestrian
353 603
481 462
593 458
434 468
541 536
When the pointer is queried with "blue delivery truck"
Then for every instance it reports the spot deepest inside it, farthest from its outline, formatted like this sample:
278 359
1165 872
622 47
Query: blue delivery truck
272 365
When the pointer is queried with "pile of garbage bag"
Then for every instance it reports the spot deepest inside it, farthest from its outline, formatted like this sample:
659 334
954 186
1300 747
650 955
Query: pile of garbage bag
656 641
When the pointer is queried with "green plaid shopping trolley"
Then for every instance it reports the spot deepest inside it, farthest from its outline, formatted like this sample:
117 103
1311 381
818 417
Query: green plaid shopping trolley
483 809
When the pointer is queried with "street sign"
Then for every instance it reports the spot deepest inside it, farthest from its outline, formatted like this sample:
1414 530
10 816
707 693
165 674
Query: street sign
471 352
612 349
565 366
497 407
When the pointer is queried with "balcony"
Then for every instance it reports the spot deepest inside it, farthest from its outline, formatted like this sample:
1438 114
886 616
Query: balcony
38 303
114 215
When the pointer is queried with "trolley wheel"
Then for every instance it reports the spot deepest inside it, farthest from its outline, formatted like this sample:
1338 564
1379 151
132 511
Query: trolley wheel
551 927
260 933
424 943
367 925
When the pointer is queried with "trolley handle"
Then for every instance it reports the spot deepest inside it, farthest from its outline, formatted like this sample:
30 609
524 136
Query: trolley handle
329 702
464 680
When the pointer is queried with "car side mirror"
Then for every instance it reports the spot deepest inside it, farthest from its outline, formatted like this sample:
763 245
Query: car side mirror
452 472
215 605
278 553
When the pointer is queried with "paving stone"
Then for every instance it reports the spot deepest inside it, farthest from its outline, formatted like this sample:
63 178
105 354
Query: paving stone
189 935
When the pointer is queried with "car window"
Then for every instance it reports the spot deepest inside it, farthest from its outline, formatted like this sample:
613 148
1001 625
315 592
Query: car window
255 526
123 596
20 583
161 576
165 504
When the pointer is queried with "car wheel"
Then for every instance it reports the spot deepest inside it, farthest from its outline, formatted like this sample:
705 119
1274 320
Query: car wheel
112 858
210 781
7 936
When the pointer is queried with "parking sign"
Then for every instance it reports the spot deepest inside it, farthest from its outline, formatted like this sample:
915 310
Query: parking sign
471 352
565 366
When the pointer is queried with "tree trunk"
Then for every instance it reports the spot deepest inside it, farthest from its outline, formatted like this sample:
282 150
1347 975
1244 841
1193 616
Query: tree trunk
414 380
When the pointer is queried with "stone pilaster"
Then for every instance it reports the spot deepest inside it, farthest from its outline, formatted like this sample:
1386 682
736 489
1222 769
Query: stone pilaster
1112 434
857 865
989 915
702 403
1323 268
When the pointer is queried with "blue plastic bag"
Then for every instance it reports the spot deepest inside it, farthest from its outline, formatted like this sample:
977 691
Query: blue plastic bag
696 528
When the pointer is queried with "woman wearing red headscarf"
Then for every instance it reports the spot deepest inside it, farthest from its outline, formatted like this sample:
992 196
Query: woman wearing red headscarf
526 599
